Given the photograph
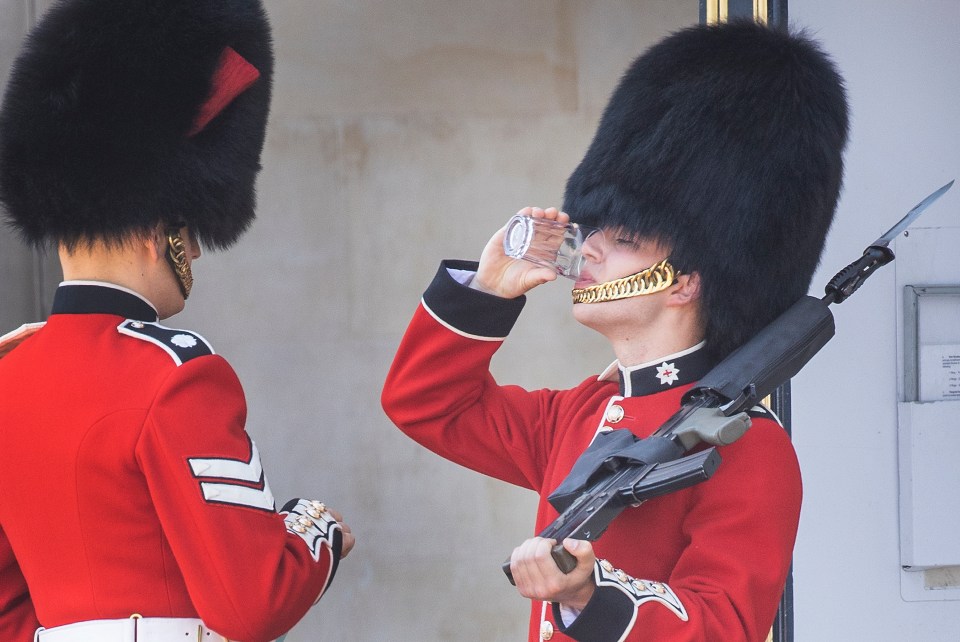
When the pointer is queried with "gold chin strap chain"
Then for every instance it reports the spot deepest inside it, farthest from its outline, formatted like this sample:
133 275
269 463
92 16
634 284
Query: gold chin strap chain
177 254
653 279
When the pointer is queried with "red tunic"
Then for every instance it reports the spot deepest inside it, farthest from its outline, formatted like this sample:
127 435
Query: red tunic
705 563
130 484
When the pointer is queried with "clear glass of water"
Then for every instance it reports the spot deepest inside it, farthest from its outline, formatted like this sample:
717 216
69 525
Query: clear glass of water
548 243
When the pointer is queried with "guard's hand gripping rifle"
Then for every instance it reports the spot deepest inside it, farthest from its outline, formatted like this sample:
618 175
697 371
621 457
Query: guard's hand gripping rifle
619 470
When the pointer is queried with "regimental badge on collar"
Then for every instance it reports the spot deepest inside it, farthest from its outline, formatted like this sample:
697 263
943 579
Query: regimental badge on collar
667 373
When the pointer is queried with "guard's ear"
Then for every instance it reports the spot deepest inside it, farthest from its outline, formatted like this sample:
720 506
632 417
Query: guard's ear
686 290
155 242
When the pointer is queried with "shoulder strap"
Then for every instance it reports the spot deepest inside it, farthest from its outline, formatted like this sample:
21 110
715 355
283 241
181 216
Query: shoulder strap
181 345
11 340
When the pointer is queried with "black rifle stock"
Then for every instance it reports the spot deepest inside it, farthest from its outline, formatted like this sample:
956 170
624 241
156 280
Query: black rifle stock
712 412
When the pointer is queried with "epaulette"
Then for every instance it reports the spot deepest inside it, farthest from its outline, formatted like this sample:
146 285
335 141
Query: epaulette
761 411
181 345
11 340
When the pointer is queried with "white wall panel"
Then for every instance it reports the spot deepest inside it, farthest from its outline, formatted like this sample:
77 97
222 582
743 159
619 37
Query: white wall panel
900 61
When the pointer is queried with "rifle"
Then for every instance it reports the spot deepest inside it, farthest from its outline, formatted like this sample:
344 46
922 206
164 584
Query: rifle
619 470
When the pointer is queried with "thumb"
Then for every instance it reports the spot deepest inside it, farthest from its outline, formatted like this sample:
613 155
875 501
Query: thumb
534 276
581 549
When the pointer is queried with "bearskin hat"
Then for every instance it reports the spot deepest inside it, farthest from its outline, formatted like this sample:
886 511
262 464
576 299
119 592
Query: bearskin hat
724 142
120 114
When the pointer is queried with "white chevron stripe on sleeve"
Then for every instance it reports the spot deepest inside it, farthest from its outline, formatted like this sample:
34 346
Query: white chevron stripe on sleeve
228 472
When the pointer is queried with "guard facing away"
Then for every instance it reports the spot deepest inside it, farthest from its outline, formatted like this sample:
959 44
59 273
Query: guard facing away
135 506
713 178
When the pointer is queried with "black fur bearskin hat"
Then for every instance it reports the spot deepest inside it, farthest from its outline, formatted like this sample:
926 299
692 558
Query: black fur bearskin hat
724 142
121 114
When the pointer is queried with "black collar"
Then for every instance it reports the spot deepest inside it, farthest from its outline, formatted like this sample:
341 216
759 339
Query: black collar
678 369
87 297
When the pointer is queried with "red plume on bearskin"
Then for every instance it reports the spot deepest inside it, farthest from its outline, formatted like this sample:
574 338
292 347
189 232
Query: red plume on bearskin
120 114
724 142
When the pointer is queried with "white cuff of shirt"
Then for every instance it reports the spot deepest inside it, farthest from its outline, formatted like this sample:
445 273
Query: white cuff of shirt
463 277
568 614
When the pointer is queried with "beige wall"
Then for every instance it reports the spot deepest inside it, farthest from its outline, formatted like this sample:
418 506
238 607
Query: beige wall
401 133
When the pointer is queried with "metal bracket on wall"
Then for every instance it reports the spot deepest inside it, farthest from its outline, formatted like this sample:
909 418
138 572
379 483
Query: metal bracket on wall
913 297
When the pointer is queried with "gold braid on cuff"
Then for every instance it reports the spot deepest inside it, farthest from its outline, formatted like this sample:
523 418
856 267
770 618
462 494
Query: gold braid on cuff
177 254
653 279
